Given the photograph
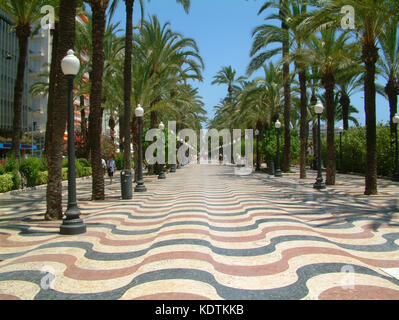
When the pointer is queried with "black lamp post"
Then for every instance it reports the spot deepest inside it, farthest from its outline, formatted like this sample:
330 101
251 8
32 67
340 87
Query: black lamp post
140 187
319 184
340 131
278 170
72 224
395 120
161 174
257 151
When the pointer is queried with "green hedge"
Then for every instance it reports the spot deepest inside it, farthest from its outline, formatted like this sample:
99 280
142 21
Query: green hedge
6 183
2 169
31 167
354 151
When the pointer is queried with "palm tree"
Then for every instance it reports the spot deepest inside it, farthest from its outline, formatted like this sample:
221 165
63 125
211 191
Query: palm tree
348 83
389 64
264 37
372 21
65 40
23 13
332 54
98 8
227 75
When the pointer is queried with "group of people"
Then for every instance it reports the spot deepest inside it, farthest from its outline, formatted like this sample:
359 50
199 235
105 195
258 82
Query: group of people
109 167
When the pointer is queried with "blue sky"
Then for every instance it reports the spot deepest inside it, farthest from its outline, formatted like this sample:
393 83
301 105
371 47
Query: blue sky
222 30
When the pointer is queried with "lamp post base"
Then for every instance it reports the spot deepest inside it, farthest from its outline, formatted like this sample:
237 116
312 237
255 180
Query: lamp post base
140 188
173 168
319 184
278 173
72 224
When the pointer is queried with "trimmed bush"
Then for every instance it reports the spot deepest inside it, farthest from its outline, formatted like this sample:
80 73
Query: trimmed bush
6 183
86 171
78 167
31 167
11 163
84 162
42 178
64 174
16 180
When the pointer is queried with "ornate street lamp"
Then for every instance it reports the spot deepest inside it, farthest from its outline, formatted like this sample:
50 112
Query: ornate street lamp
395 120
72 224
278 170
340 131
319 184
161 171
257 151
140 182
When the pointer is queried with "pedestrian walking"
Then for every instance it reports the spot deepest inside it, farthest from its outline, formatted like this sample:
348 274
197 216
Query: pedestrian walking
111 168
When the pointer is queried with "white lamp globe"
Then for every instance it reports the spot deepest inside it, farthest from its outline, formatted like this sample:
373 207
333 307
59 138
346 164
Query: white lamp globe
256 132
139 111
278 124
395 119
319 108
70 64
340 129
161 126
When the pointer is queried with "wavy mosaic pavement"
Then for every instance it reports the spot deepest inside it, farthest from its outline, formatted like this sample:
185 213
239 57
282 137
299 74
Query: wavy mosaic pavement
205 233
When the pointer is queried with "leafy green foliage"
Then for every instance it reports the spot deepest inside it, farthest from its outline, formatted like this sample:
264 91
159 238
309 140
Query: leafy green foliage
6 183
31 167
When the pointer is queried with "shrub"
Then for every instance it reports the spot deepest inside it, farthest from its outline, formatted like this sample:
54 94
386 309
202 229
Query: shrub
78 167
84 162
16 180
64 174
6 183
11 163
2 169
42 178
31 167
119 162
86 171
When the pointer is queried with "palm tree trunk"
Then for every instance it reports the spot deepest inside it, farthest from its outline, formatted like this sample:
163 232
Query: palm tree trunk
52 80
95 117
391 91
304 125
370 57
287 101
66 41
121 132
329 83
23 33
128 84
345 103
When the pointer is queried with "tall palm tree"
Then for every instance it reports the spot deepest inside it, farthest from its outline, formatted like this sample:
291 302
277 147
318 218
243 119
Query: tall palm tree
333 54
64 41
389 64
264 37
348 83
23 13
372 20
98 8
227 75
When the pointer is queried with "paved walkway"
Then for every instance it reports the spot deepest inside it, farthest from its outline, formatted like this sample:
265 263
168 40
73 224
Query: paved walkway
207 233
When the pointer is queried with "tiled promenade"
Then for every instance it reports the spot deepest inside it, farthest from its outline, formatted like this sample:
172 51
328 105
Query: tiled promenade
206 233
